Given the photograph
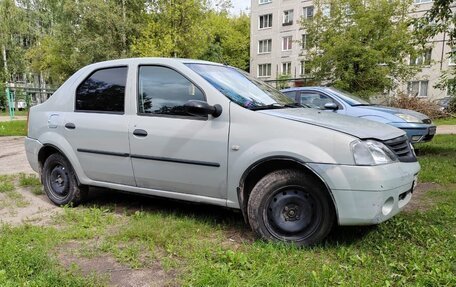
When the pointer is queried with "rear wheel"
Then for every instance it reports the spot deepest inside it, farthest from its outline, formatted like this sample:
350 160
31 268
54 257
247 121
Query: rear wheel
290 206
60 183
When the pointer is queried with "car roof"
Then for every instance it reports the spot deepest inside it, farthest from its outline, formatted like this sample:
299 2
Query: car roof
145 60
309 88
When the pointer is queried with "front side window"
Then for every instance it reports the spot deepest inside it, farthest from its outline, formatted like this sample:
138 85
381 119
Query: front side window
163 91
315 99
241 88
103 91
265 21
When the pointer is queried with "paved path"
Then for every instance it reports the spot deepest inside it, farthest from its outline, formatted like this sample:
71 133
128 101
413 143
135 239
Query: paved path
446 130
16 118
12 156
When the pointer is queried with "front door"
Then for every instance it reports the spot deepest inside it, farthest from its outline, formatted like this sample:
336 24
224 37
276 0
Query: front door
170 149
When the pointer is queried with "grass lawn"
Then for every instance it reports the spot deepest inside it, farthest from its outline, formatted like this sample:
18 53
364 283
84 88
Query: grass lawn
445 121
198 245
13 128
16 113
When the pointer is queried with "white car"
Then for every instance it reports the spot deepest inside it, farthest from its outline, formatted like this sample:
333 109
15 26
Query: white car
209 133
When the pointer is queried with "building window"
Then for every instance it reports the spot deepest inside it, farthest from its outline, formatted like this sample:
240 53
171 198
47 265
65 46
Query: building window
264 46
326 10
422 1
286 68
452 57
418 88
265 21
287 17
304 39
424 59
264 70
287 43
305 68
264 1
308 12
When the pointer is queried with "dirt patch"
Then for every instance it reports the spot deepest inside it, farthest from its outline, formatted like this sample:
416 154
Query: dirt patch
116 273
12 156
37 210
16 118
419 201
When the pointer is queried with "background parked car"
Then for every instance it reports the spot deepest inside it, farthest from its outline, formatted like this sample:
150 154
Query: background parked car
419 127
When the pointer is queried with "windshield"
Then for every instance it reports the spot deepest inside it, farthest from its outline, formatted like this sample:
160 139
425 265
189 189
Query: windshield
350 99
241 88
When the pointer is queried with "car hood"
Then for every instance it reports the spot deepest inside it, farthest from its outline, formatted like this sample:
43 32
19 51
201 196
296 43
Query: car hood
360 128
392 111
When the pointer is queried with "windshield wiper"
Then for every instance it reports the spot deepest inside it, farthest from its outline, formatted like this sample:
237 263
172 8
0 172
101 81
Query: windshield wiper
295 105
268 107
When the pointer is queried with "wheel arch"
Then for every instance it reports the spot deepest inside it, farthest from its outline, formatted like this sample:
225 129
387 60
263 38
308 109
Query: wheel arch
262 167
49 149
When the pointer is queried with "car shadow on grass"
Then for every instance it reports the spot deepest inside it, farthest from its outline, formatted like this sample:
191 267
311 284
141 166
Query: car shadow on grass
229 219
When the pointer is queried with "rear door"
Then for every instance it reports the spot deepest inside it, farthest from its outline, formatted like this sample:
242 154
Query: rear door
98 129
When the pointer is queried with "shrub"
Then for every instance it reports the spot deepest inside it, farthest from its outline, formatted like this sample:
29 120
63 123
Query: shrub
404 101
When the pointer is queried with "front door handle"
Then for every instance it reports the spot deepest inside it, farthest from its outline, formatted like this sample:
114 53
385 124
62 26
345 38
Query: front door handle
140 133
70 126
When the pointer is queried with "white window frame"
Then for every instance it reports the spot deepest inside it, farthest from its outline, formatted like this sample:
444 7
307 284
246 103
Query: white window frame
452 57
261 2
305 12
420 86
422 59
287 17
302 71
289 43
261 69
286 68
269 18
422 1
269 46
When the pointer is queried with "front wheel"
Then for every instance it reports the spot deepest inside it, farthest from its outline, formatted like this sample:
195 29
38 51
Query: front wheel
289 206
60 183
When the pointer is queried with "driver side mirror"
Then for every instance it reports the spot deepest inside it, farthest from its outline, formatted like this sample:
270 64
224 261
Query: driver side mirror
202 109
331 106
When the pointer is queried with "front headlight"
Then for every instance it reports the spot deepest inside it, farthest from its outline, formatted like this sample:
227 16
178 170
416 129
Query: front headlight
371 152
409 118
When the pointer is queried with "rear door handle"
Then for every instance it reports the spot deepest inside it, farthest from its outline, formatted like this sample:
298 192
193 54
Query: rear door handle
140 133
70 126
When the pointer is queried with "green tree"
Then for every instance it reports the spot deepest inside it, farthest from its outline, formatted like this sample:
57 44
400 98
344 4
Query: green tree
174 29
360 45
229 40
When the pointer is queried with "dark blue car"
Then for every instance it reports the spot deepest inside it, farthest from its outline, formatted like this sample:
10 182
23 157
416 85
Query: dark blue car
419 127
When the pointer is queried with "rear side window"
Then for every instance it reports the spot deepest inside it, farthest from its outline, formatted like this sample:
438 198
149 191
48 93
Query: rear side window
163 91
103 91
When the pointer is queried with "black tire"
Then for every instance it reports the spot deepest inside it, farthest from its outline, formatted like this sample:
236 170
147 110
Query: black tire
289 206
60 183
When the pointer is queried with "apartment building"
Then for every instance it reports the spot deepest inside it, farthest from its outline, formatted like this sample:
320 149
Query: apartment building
277 43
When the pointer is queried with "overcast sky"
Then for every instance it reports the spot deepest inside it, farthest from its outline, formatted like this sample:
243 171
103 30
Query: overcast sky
240 5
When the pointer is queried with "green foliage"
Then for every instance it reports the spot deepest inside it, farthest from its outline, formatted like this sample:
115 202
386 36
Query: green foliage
362 46
13 128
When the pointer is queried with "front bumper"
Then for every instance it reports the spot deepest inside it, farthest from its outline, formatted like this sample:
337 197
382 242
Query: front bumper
32 148
417 132
366 195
